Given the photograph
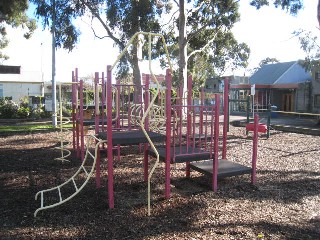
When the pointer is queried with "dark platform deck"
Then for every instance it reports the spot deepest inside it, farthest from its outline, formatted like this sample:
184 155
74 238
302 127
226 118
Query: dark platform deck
132 137
92 122
181 154
225 168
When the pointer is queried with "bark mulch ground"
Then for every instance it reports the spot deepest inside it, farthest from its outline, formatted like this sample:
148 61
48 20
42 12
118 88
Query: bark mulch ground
284 204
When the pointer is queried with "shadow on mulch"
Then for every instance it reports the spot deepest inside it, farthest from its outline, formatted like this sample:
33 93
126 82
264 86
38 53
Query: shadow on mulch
87 216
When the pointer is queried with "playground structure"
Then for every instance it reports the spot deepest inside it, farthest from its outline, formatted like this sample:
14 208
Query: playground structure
172 130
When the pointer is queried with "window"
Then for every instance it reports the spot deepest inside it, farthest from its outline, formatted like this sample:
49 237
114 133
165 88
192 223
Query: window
317 100
317 75
1 90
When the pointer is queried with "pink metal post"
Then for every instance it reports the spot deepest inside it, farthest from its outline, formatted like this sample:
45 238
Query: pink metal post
216 144
96 85
255 149
189 103
225 117
201 109
77 116
103 100
81 122
109 138
74 111
168 133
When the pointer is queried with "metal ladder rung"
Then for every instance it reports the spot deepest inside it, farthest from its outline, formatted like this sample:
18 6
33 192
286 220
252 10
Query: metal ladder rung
85 170
91 154
75 185
78 189
42 199
59 194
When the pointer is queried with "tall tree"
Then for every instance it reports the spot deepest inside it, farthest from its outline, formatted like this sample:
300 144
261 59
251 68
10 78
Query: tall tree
121 19
310 44
13 13
205 35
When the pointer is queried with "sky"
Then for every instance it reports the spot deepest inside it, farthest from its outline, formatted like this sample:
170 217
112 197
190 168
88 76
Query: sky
267 31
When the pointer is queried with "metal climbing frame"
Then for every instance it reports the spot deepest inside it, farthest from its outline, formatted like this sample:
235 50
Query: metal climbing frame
77 184
192 131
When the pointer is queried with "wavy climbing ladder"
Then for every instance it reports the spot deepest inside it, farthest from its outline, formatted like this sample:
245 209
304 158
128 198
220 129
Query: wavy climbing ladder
77 188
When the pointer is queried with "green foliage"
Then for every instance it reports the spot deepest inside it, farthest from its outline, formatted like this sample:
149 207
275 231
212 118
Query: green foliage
292 6
212 48
309 43
38 112
8 108
23 112
13 13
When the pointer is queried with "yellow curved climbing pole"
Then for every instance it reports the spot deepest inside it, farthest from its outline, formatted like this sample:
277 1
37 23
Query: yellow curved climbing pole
65 153
158 111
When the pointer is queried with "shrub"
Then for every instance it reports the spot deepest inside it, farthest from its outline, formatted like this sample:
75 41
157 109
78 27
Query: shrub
8 109
23 112
37 112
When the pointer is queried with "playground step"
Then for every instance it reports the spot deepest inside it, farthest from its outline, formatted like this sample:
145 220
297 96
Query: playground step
226 168
132 137
182 154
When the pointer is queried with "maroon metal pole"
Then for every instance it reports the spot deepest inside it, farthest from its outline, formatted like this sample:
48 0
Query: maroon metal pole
74 132
168 133
216 144
188 109
103 100
109 138
81 122
225 117
96 119
77 116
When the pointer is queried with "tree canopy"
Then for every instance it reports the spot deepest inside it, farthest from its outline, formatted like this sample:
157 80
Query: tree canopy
121 19
292 6
13 13
204 38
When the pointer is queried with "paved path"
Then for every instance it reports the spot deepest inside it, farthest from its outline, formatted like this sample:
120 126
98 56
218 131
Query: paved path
306 125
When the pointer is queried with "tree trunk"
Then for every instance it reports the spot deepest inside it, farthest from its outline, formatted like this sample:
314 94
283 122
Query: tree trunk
183 46
136 73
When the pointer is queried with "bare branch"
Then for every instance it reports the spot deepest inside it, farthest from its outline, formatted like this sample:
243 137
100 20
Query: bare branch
92 10
170 19
198 8
176 3
204 47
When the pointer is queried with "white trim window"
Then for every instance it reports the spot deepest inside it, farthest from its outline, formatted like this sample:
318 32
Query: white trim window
317 100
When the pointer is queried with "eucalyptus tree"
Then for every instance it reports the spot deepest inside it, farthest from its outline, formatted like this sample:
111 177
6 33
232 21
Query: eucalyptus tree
13 13
310 44
205 38
121 19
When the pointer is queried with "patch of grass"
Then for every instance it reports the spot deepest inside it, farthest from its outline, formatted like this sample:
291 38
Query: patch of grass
30 127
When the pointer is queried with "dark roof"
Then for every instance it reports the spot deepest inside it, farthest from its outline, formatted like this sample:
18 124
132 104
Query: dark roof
280 73
5 69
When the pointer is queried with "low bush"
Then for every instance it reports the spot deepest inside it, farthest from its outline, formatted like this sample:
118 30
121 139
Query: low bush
8 109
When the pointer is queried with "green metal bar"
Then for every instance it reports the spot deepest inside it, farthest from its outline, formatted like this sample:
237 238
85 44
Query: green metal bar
269 120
